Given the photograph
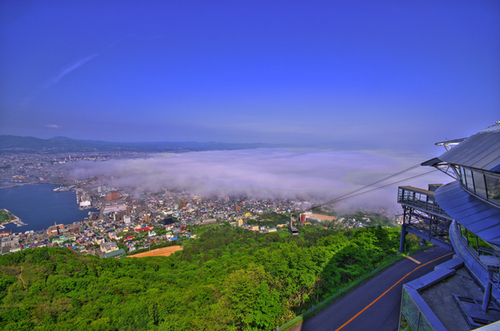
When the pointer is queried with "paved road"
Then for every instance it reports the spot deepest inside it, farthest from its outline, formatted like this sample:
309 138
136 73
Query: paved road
383 315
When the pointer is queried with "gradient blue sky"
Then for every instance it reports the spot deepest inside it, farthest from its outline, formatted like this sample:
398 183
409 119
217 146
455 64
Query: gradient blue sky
372 75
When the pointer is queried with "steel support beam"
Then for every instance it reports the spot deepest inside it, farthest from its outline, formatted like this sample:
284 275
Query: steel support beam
433 240
402 239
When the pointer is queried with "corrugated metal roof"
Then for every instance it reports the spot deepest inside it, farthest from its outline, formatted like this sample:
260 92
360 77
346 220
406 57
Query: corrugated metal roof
477 216
481 151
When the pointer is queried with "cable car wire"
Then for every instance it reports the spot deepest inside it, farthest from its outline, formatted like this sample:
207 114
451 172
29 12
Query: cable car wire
351 194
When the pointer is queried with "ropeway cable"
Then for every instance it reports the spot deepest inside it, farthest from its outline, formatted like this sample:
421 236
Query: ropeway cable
399 181
350 194
376 182
347 196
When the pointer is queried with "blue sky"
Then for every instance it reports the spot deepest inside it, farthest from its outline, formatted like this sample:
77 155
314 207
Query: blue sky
344 75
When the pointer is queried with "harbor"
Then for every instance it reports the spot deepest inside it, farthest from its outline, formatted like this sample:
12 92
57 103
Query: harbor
6 217
63 188
39 207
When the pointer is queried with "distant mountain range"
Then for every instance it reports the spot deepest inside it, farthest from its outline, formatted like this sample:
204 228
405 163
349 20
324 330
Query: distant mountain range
9 143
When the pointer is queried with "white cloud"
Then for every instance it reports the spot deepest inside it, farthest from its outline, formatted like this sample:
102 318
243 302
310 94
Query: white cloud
49 83
264 173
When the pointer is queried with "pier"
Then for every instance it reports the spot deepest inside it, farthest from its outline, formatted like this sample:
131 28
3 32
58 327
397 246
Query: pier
6 217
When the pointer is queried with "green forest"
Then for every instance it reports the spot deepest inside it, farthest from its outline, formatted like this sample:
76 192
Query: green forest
227 279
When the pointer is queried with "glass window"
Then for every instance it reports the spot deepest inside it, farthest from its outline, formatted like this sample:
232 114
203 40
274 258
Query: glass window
457 170
462 176
410 310
423 197
468 179
403 325
424 325
493 187
479 184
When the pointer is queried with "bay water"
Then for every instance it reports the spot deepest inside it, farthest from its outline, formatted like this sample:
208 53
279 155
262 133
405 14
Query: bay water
40 207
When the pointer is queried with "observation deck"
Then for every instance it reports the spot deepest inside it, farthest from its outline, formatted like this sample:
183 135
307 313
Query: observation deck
423 217
420 199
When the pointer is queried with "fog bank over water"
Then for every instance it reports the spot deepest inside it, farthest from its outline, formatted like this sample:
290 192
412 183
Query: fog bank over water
317 176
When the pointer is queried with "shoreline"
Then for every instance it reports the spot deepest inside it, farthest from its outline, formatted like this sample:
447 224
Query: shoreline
11 221
29 223
23 184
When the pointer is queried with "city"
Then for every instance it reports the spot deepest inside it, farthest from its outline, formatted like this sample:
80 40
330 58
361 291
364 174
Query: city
156 218
249 165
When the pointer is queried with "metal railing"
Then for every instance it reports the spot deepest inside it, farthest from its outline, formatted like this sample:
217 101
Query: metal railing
471 260
413 198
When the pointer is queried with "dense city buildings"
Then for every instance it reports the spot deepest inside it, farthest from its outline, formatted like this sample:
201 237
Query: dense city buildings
139 222
19 168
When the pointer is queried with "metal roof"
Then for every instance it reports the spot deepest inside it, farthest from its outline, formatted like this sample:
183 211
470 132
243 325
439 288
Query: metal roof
481 151
477 216
450 142
416 189
431 163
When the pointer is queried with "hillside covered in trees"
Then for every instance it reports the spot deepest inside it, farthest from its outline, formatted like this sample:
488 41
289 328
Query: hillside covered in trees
228 279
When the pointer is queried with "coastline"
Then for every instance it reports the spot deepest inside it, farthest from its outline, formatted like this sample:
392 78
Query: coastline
2 225
23 184
38 207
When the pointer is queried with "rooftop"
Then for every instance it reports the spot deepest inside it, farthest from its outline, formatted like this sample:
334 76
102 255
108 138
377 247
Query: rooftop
480 151
440 298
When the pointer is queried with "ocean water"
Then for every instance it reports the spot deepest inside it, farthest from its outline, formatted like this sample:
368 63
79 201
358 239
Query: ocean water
39 207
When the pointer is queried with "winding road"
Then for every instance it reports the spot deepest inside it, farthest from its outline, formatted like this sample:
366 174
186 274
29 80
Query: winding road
374 305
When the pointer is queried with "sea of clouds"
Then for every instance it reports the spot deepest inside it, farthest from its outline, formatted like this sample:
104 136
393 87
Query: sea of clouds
317 176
